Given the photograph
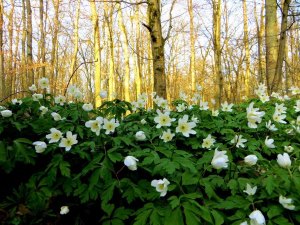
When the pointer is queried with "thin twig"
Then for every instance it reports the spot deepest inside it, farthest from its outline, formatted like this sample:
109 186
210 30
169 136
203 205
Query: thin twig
13 95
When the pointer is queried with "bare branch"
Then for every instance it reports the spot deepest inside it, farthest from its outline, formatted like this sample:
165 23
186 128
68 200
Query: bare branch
170 24
121 1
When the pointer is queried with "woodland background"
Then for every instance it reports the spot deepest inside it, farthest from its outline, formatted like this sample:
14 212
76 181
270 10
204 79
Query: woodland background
140 46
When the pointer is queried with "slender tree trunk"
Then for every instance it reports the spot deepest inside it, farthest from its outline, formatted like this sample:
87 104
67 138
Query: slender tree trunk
192 46
75 42
42 41
157 46
10 73
29 60
282 45
97 54
2 78
247 50
138 68
23 53
125 53
271 33
109 23
55 28
217 49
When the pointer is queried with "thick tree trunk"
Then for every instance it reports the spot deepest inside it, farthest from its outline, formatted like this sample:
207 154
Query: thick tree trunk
282 45
157 46
97 55
217 49
271 33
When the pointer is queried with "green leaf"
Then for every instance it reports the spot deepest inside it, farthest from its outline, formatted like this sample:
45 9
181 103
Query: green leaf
65 168
175 217
270 184
108 192
174 202
218 218
274 211
114 156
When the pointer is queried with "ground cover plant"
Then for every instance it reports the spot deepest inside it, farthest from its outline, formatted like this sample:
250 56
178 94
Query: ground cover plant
64 162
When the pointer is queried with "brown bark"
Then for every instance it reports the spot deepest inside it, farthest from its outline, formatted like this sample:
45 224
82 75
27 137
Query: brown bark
42 41
192 46
30 71
2 78
247 50
157 47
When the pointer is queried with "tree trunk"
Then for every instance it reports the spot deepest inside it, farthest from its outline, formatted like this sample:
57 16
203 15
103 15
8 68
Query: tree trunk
217 49
75 42
247 50
42 41
97 54
192 46
2 78
125 53
282 45
53 75
23 53
138 67
157 46
271 33
30 73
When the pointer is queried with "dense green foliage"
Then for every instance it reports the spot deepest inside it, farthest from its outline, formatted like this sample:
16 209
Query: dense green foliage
92 180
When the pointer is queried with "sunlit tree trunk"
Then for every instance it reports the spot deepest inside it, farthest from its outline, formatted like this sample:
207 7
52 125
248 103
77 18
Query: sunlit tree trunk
192 46
75 42
23 43
42 41
55 28
30 73
2 78
271 33
138 69
125 53
247 50
97 54
217 49
109 23
282 45
157 46
9 64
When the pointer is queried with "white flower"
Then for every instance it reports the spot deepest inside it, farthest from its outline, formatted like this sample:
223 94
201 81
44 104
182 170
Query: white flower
288 149
251 160
298 121
239 141
195 119
297 106
39 146
220 160
68 141
269 142
198 87
208 142
181 107
161 186
95 125
43 83
56 116
43 109
78 94
253 116
167 135
60 100
64 210
250 190
87 107
257 218
140 135
143 121
16 101
54 136
213 101
130 162
264 98
280 108
295 90
32 88
6 113
226 107
286 202
163 119
185 127
271 126
36 97
284 160
110 125
215 113
72 89
244 223
279 117
183 95
203 105
103 94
